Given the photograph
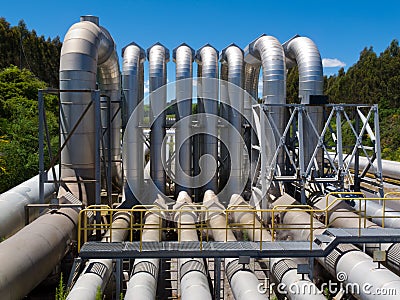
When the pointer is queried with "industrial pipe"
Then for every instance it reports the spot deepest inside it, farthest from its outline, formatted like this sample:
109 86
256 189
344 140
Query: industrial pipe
358 267
97 272
30 255
207 59
232 71
14 201
266 51
183 56
133 85
143 282
243 282
88 52
193 272
158 57
303 52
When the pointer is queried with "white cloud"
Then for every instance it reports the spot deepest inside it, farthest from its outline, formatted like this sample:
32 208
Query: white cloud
332 63
260 87
146 86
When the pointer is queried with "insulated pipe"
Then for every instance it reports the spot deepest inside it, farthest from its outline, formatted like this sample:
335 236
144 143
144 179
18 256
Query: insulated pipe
97 272
132 84
143 282
305 53
358 266
183 56
193 273
88 52
243 282
14 201
30 255
207 59
266 51
158 57
297 287
232 59
372 208
242 214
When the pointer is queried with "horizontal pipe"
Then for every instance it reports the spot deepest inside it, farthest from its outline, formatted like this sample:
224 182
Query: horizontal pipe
30 255
97 272
14 201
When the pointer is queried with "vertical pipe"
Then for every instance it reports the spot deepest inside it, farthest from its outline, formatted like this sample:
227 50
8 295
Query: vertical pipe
232 57
158 57
183 56
132 68
193 273
207 58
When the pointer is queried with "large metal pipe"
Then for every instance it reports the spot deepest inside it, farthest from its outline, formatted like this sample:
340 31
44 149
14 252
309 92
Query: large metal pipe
232 60
158 57
30 255
133 85
207 59
143 281
14 201
358 267
183 56
97 272
243 282
381 216
88 52
193 272
304 52
266 51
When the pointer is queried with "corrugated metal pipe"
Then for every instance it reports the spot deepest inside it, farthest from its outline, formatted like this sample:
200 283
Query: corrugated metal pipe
207 59
232 60
158 57
97 272
14 201
267 51
88 52
347 259
143 282
133 87
193 272
243 282
183 56
30 255
305 54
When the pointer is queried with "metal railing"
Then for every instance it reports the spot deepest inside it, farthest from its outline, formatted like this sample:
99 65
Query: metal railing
138 213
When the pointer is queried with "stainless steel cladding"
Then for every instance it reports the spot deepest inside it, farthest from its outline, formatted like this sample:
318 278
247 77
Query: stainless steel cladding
87 52
183 56
232 60
158 57
207 59
133 87
305 53
266 51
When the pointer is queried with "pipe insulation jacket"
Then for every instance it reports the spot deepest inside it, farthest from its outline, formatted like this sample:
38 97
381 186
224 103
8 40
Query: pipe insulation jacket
183 56
97 272
133 87
88 53
30 255
244 283
193 272
143 282
14 201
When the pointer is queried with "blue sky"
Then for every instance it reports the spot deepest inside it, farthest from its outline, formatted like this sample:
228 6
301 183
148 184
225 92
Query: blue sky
341 29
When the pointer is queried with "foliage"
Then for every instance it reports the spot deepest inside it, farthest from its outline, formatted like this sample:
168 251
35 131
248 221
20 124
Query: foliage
373 79
19 124
61 291
23 48
99 294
